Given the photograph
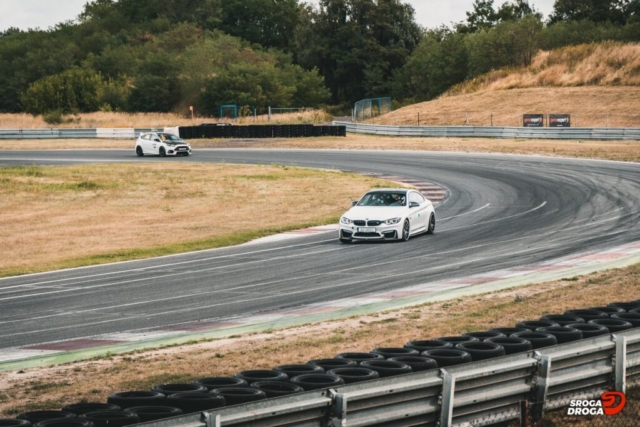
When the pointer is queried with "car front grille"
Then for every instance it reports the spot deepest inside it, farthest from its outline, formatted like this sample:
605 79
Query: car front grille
366 235
360 223
374 223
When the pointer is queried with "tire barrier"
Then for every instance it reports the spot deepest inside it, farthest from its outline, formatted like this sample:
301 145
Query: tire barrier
317 381
532 325
633 318
168 389
417 363
261 131
252 376
352 375
562 319
295 370
194 402
448 356
510 331
589 329
389 352
237 395
613 325
220 382
537 339
484 335
563 334
60 422
512 344
359 357
457 339
626 306
129 399
111 418
83 408
14 422
277 388
328 364
387 368
587 314
481 350
37 416
153 413
608 310
424 345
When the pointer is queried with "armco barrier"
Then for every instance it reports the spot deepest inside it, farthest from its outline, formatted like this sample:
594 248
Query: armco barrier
603 134
117 133
517 387
261 131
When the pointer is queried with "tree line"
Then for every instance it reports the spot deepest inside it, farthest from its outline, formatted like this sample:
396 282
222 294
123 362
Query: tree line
166 55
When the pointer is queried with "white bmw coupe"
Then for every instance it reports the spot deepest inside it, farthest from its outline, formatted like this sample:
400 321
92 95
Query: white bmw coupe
388 214
161 143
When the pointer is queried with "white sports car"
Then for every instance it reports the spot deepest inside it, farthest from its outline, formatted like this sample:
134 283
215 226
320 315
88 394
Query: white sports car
163 144
388 214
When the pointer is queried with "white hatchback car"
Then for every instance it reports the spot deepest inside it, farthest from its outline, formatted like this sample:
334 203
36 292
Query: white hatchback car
388 214
163 144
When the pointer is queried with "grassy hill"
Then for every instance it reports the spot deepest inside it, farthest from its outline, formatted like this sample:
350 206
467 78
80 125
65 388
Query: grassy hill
599 84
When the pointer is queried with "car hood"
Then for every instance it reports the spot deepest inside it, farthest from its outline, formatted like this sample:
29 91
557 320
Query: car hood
375 212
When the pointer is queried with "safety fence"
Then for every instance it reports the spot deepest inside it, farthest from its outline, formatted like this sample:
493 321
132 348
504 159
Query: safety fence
520 388
617 134
261 131
106 133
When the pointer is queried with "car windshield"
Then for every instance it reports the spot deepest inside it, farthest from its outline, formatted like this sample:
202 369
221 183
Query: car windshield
384 198
169 137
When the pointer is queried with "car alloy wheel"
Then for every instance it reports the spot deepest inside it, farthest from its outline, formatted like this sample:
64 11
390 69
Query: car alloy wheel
139 151
432 224
406 229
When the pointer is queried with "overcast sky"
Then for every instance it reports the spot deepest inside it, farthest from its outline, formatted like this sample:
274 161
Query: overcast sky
43 14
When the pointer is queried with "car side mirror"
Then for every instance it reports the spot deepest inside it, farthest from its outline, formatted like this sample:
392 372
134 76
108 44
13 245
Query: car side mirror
414 204
354 203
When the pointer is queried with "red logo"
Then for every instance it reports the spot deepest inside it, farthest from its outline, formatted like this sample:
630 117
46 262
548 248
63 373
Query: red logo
611 407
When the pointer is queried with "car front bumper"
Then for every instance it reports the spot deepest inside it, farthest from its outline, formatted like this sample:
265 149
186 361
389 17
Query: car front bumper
178 152
381 232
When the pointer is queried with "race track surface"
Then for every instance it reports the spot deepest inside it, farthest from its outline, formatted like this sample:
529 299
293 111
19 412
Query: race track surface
502 211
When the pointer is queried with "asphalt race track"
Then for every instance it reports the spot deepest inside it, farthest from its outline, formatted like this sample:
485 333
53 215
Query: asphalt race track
503 211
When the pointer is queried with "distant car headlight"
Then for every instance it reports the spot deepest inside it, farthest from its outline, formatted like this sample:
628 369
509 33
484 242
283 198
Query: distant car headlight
392 221
345 220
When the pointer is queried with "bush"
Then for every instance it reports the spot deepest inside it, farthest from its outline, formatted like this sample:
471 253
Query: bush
73 91
54 117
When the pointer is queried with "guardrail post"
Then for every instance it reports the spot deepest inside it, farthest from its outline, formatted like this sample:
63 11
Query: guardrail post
446 404
211 420
339 412
539 395
621 363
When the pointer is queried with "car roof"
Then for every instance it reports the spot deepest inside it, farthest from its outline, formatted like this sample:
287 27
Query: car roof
390 189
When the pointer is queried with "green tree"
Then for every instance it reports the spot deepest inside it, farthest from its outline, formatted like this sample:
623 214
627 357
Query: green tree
614 11
482 17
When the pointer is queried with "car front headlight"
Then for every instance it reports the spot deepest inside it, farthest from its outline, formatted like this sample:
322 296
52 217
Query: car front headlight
345 220
392 221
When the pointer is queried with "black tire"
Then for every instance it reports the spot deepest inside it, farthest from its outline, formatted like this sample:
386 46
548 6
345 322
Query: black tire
239 395
254 375
512 345
563 334
431 228
168 389
389 352
608 310
626 306
590 330
448 357
129 399
71 422
387 368
329 364
425 345
139 151
614 325
406 230
537 339
417 363
354 374
317 381
153 413
277 388
220 382
484 335
633 318
162 152
295 370
359 357
510 331
194 402
111 418
562 319
588 314
532 325
635 310
482 350
14 422
457 339
83 408
36 416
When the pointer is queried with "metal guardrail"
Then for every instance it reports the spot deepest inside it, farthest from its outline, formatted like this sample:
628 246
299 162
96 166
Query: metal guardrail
476 394
116 133
603 134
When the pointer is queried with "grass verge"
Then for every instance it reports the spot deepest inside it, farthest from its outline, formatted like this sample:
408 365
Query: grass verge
94 380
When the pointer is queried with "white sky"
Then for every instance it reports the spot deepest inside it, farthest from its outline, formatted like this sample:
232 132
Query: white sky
43 14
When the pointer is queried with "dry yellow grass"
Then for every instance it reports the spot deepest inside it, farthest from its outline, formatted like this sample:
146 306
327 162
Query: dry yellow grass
594 106
53 387
601 64
51 216
152 120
